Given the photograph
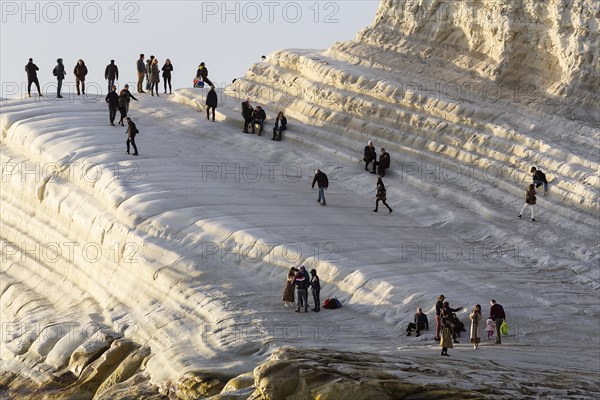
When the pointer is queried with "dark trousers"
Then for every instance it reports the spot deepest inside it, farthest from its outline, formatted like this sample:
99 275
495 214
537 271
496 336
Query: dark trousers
208 109
247 122
260 123
154 87
317 299
59 87
384 203
132 141
277 133
414 326
208 81
167 79
367 162
111 83
498 322
112 114
302 296
123 112
77 82
37 85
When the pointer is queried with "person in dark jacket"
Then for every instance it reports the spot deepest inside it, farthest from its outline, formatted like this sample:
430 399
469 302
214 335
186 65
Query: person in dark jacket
112 99
258 117
370 155
315 285
497 315
530 200
141 72
31 70
111 73
383 163
247 111
167 69
202 72
280 126
449 310
127 98
80 71
420 323
154 77
381 195
131 132
211 103
59 73
322 182
148 72
539 179
439 304
301 281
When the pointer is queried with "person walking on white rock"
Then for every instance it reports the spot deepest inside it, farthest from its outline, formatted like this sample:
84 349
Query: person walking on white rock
112 98
475 332
498 316
59 73
539 178
301 281
323 183
315 286
381 195
111 74
131 132
211 103
530 200
288 290
370 155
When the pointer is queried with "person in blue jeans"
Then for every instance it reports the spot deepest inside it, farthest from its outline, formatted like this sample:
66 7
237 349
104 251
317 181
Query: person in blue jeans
301 281
322 182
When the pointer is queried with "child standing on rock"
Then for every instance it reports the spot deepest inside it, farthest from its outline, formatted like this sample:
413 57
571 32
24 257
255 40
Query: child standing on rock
529 201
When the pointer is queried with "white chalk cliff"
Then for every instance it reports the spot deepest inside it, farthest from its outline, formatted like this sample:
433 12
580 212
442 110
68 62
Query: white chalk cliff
161 275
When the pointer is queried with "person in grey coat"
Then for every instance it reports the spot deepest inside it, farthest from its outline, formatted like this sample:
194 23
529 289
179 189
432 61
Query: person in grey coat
154 77
211 103
59 73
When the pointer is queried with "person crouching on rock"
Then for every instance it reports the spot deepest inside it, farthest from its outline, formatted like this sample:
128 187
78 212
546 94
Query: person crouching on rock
420 323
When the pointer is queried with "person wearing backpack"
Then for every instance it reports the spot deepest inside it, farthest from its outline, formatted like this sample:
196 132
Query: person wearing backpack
529 201
315 285
131 132
323 183
59 73
301 281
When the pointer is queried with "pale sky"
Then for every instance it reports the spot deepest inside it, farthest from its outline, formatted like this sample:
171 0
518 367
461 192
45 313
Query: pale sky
229 36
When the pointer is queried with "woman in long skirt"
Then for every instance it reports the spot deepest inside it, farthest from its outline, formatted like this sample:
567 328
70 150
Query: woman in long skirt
288 290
